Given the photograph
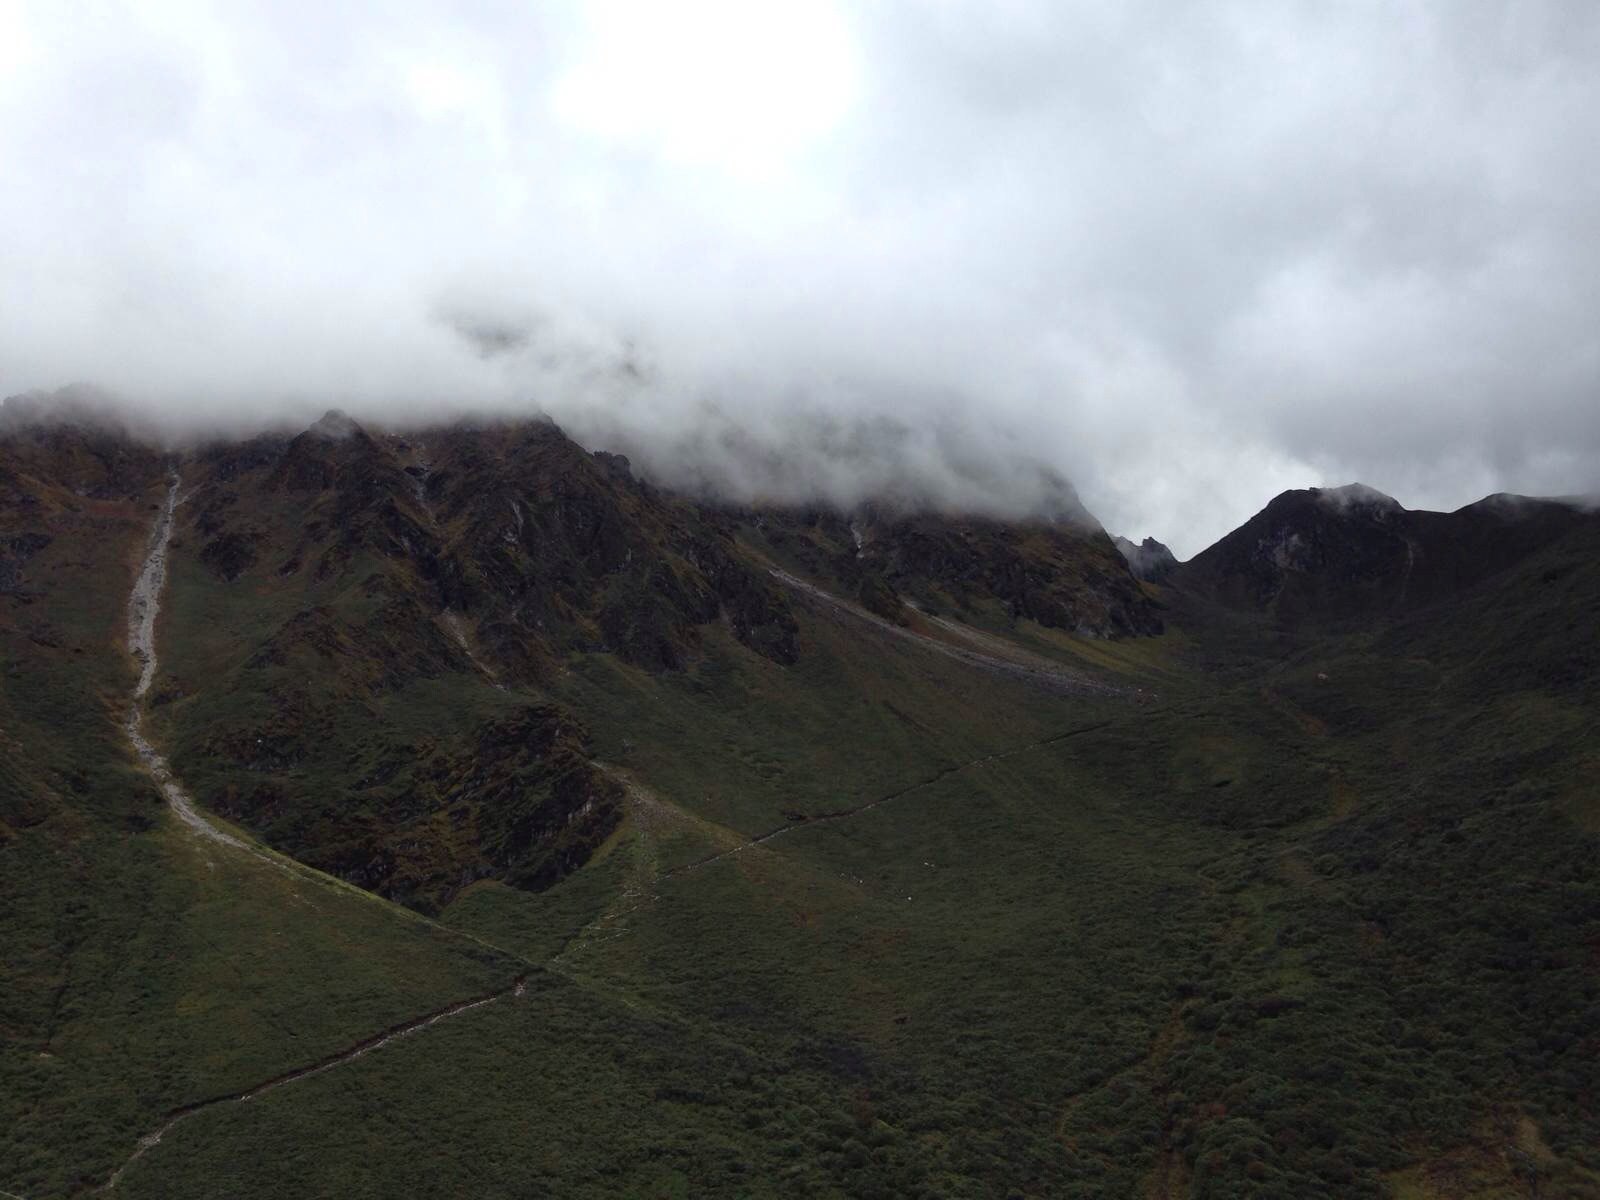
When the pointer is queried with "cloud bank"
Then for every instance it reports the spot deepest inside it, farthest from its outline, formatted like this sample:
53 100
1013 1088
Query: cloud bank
1184 256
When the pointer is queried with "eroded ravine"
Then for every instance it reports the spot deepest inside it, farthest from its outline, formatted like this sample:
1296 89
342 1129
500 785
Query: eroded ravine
144 607
144 610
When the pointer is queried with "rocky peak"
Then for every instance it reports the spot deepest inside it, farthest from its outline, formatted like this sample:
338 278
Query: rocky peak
1149 560
539 546
334 425
1347 552
1358 498
330 447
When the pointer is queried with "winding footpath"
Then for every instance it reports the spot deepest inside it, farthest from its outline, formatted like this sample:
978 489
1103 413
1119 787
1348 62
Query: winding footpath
645 879
366 1046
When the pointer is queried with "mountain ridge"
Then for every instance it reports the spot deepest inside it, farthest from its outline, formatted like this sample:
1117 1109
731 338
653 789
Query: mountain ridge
1332 554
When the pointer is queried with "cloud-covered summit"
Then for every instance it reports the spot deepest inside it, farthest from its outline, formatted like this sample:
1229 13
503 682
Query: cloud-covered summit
1184 256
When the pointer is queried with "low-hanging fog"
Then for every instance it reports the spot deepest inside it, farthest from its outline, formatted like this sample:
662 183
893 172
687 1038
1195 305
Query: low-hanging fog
1183 255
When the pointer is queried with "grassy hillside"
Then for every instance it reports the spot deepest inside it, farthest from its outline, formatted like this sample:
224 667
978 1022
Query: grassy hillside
906 909
1208 950
141 970
1214 947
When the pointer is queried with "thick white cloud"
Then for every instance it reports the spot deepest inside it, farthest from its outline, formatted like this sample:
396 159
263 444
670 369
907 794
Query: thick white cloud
1187 255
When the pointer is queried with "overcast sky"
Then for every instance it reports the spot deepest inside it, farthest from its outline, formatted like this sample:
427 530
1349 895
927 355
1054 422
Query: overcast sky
1186 254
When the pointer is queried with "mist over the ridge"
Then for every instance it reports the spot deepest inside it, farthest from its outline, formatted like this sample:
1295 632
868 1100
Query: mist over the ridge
1184 258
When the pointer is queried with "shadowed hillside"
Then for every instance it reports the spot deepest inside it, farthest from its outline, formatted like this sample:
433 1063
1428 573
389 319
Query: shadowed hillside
1332 554
783 853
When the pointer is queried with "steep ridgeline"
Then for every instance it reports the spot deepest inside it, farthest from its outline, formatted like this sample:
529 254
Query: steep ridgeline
1063 574
1337 554
540 544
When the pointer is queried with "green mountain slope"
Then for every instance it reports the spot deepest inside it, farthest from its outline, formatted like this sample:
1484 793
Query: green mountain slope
814 891
141 969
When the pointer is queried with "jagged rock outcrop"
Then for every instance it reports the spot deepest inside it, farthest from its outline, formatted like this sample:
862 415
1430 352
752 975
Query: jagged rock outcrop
1149 560
515 799
15 552
541 545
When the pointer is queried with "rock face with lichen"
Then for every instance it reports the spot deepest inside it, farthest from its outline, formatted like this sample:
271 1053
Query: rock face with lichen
514 798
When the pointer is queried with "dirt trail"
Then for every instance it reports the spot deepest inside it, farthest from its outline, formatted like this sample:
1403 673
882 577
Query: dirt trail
1016 663
650 814
647 816
377 1041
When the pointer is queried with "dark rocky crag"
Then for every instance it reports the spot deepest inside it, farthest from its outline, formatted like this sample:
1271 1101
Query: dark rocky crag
538 543
515 798
1322 555
1149 560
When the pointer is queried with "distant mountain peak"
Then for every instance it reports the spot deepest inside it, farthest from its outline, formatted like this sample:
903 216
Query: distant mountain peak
1149 560
1357 496
335 425
1352 552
